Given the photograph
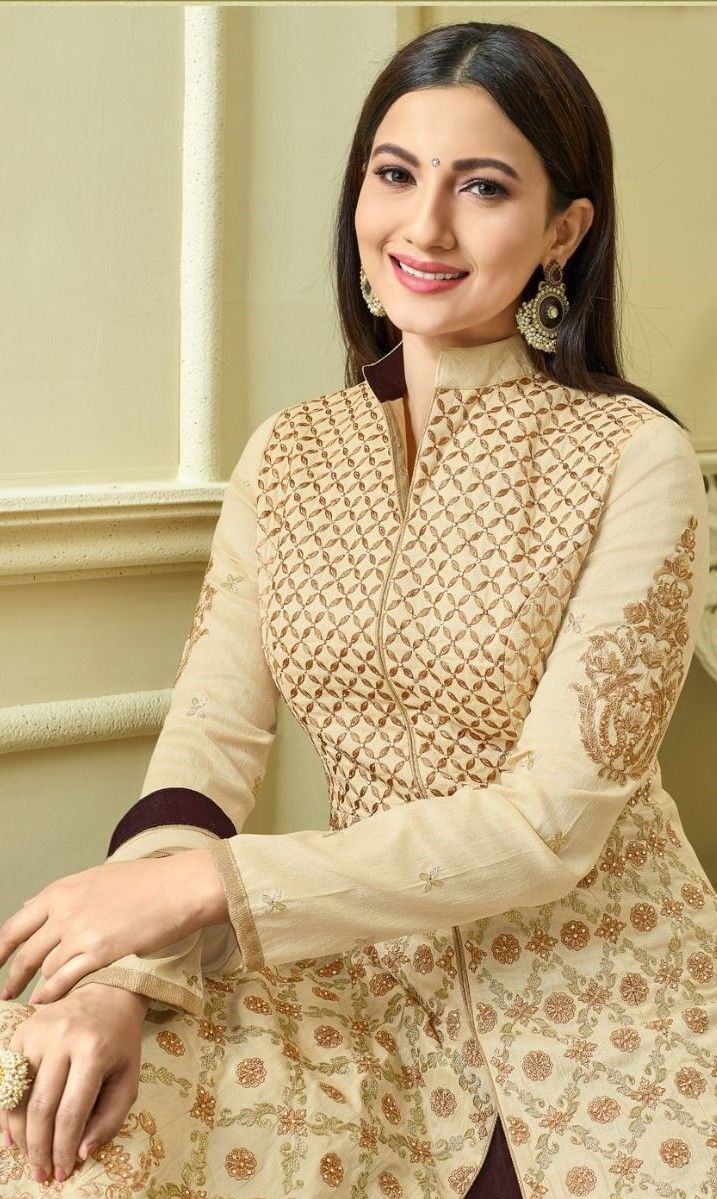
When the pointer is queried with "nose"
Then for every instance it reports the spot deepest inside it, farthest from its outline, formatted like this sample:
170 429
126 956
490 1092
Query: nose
429 221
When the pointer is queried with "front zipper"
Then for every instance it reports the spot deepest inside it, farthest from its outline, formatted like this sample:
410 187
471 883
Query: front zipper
404 493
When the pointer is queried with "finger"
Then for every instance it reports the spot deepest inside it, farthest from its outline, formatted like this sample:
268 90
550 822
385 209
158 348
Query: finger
16 1118
42 1105
116 1098
29 958
83 1086
57 957
64 979
7 1136
19 927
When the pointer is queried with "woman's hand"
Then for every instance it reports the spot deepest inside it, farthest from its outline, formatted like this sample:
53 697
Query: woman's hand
84 1051
88 920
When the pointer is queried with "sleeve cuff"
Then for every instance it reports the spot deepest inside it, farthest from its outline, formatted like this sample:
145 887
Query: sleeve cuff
240 913
162 992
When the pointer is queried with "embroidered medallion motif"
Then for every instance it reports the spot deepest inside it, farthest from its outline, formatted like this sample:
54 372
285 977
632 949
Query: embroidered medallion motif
622 724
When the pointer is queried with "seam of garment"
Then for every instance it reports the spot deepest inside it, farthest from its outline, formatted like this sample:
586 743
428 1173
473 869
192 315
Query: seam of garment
556 563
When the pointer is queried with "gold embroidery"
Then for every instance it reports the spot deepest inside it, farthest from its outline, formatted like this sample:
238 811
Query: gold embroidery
636 670
273 900
196 631
430 878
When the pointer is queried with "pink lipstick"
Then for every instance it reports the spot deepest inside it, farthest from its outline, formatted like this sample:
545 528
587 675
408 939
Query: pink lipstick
417 284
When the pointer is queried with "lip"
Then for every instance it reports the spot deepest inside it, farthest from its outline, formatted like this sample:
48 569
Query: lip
428 265
412 283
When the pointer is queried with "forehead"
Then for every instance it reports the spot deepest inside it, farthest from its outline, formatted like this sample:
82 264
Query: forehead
452 122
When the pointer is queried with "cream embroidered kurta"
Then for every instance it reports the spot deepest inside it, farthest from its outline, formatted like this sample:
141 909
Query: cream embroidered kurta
505 918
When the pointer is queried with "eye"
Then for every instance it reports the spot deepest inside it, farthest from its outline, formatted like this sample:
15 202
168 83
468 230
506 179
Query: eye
501 191
384 172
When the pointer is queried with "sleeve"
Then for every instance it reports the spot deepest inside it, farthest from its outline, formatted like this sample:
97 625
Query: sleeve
213 748
606 689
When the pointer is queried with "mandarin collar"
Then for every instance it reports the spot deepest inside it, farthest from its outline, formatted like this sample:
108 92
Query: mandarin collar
462 367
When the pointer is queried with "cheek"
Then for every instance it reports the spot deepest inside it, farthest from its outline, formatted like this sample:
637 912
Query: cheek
507 256
369 217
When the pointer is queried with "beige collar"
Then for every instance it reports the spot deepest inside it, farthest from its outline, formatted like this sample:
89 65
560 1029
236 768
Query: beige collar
462 367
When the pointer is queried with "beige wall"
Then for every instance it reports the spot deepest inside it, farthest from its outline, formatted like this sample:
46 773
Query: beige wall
91 122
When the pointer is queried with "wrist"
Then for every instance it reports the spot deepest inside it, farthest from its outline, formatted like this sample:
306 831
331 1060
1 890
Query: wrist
120 995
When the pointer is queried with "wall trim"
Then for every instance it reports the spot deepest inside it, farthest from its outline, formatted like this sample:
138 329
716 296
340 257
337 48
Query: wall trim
65 722
90 530
202 249
62 533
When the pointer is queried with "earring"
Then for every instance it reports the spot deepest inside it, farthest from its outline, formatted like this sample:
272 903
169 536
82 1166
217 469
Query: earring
539 319
374 304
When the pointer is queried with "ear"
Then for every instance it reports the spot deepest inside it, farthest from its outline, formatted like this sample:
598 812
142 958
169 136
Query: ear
572 225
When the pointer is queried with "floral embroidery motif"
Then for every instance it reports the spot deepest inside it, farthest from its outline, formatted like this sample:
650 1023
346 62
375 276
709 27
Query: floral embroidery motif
621 721
233 583
272 900
574 621
557 841
430 878
196 630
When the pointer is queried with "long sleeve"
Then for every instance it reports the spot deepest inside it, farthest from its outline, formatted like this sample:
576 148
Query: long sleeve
212 751
603 700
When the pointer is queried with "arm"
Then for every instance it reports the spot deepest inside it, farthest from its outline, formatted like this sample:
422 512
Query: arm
211 754
596 720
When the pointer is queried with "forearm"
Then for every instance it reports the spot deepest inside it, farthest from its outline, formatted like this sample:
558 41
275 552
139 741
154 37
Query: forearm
200 883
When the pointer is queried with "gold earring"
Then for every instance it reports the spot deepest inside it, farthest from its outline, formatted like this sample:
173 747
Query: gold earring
540 319
374 304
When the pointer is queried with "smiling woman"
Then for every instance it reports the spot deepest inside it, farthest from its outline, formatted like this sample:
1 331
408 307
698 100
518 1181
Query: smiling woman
474 573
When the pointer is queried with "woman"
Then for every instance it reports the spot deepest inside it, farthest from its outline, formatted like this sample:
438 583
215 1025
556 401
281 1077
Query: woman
475 574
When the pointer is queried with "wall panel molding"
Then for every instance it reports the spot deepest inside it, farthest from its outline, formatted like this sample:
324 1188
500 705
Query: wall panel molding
202 247
82 531
69 533
61 723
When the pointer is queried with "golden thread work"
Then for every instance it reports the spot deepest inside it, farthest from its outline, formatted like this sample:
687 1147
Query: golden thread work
196 630
636 671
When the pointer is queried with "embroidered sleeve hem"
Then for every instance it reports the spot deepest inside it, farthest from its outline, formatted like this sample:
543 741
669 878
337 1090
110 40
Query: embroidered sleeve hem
162 992
240 913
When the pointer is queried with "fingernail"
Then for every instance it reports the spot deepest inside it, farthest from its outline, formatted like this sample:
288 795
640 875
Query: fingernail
60 1175
39 1174
6 992
88 1149
7 1139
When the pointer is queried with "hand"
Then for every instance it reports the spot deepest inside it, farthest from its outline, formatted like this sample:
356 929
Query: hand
84 1051
88 920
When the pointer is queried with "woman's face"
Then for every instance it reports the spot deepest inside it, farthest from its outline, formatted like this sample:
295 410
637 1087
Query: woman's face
481 219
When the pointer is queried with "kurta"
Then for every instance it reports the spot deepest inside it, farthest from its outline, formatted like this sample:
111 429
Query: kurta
504 918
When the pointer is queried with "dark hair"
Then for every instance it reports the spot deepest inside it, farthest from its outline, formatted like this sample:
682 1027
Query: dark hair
547 97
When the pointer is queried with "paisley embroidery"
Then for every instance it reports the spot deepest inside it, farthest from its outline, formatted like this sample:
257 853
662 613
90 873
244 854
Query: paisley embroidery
622 717
196 630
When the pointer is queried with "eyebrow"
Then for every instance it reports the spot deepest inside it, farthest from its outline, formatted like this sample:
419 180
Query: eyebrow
459 164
